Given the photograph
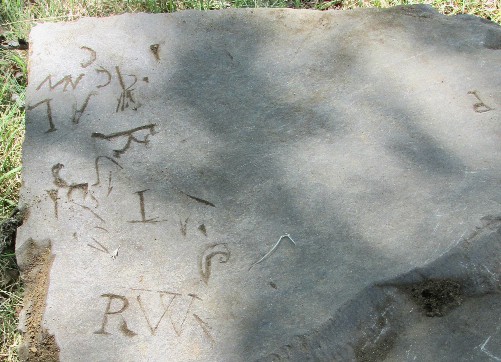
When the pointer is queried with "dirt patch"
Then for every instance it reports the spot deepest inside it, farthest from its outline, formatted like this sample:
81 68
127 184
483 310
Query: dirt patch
38 344
436 297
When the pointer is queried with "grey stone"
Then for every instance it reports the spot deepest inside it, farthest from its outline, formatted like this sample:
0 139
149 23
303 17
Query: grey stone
263 184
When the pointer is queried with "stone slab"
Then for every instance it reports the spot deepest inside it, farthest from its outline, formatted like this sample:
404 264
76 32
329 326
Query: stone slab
263 185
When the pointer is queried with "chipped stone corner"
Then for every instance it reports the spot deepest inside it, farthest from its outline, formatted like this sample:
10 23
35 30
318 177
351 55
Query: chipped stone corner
35 263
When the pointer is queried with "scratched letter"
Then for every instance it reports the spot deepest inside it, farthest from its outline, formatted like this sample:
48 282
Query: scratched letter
123 325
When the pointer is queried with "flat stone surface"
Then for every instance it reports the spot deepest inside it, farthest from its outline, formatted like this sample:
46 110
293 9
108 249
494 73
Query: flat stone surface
263 184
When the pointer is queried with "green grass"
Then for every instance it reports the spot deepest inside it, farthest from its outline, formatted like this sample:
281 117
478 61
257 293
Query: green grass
16 19
10 306
13 69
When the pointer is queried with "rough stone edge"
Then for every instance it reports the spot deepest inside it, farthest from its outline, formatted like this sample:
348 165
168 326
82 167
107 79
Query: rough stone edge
8 227
36 262
366 328
413 10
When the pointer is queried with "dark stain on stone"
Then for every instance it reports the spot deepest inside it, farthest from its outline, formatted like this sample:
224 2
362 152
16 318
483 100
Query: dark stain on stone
202 229
493 39
436 297
154 49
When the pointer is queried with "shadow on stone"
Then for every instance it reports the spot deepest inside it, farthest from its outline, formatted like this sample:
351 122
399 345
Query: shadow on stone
368 327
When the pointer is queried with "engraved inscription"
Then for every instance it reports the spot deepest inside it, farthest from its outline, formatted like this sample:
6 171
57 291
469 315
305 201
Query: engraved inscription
108 75
92 57
184 226
205 261
175 310
78 112
171 302
480 106
110 188
129 134
205 327
96 166
126 95
108 312
47 101
53 194
179 329
142 210
65 81
82 187
60 182
166 306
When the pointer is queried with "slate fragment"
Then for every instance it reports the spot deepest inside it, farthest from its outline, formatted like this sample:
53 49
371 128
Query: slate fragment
163 161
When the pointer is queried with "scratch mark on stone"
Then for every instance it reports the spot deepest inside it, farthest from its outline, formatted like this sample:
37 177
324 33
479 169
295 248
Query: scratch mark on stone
202 201
101 247
101 228
483 349
205 327
89 210
273 249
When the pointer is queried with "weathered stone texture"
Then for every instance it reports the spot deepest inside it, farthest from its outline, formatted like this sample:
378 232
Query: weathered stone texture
166 155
